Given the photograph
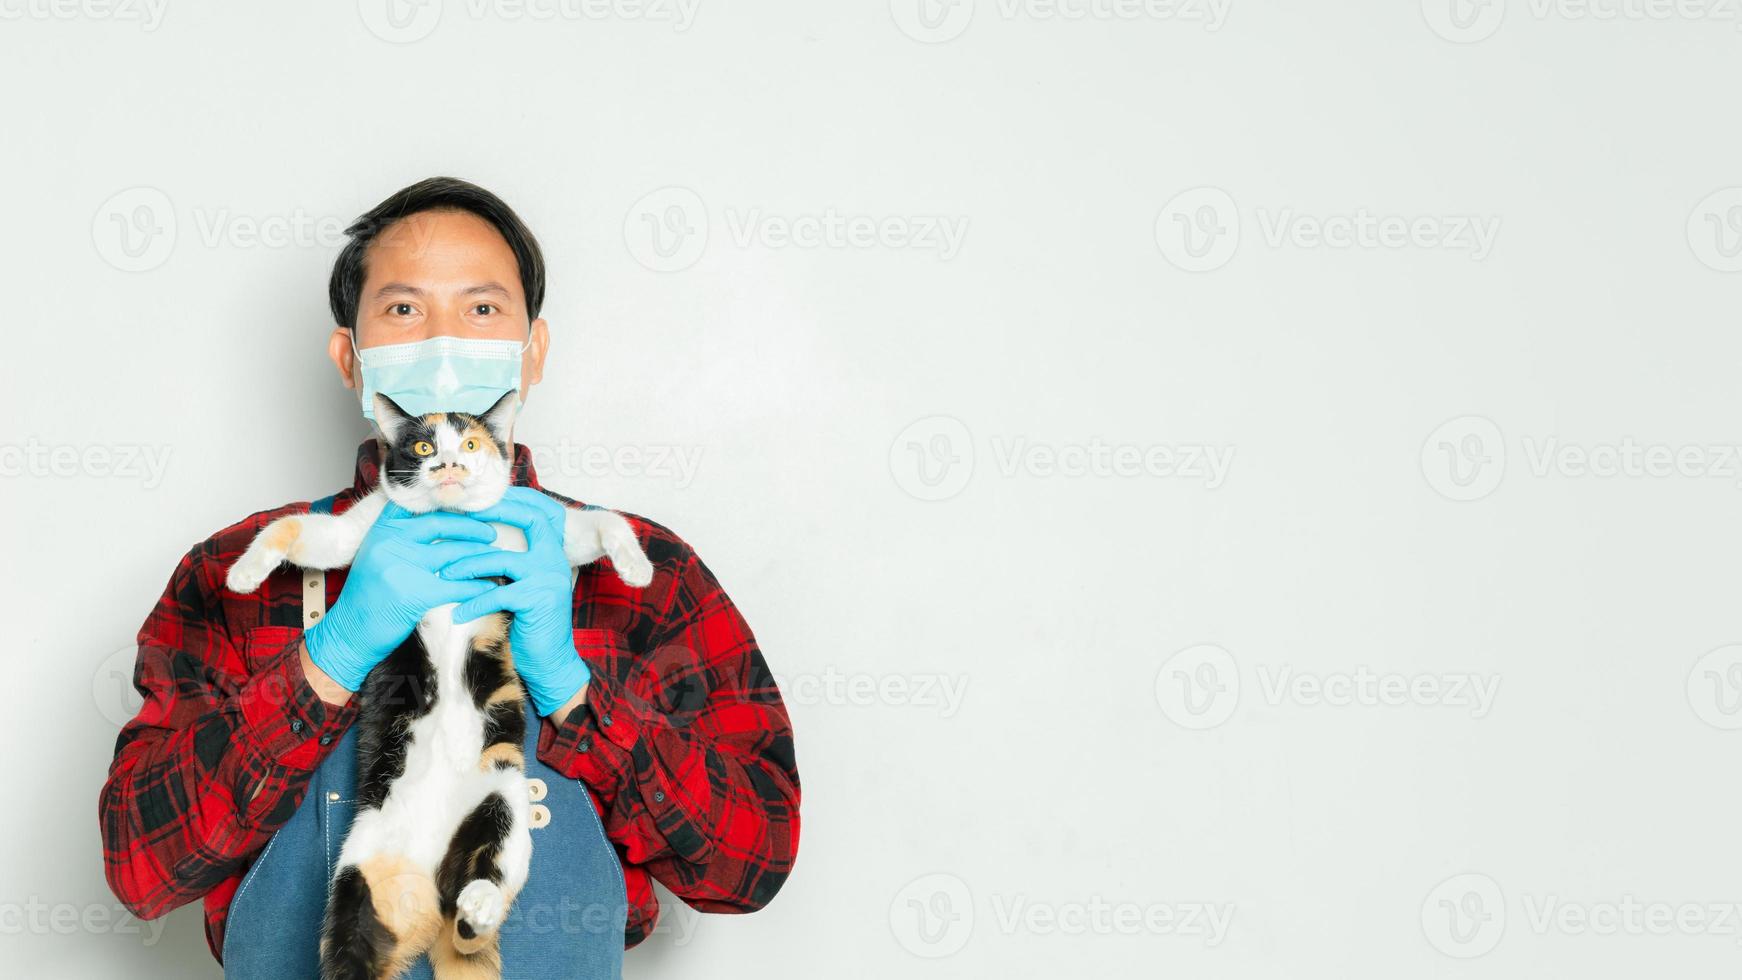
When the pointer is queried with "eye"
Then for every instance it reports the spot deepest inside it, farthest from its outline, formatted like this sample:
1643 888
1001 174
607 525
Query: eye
471 445
402 309
423 448
484 309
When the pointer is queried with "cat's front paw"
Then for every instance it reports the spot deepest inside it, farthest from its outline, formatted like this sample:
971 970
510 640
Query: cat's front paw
632 565
247 574
481 906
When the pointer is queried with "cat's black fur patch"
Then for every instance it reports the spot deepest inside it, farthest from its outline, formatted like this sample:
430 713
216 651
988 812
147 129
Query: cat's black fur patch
472 852
397 692
355 941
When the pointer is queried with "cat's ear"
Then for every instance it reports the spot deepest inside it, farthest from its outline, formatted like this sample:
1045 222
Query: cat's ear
389 418
499 419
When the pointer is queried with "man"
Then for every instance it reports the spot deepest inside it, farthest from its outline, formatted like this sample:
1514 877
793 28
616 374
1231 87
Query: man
661 721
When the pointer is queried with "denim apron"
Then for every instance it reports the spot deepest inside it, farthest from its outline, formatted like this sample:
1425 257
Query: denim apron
567 922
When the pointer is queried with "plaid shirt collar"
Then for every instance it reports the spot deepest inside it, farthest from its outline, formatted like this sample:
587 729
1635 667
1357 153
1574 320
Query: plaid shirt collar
369 468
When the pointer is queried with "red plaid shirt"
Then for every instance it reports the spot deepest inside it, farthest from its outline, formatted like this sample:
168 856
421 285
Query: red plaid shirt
683 742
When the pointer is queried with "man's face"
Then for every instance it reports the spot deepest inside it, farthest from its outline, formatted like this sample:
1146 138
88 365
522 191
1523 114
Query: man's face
440 274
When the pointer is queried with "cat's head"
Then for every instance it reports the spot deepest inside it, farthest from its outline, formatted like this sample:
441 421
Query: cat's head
446 460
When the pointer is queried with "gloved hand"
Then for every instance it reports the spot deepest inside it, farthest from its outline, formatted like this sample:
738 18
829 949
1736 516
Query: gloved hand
540 595
391 585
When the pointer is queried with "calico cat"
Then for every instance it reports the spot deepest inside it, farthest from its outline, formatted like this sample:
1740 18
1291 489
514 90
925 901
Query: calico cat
440 844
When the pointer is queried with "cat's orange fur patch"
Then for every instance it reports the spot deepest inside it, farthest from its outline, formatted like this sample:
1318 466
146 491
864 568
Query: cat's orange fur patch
406 902
478 958
283 533
506 751
486 440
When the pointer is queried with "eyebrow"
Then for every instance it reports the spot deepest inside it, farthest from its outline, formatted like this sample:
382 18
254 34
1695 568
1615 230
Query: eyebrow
400 287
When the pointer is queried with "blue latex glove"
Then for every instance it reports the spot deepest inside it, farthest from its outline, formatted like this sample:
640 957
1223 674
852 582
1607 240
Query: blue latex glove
391 585
540 595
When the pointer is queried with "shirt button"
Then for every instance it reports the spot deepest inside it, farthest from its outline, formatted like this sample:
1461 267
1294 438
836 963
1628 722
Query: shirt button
296 726
605 720
539 818
658 797
586 744
326 739
535 789
332 796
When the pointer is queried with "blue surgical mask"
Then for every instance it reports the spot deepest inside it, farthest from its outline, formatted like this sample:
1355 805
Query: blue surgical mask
441 374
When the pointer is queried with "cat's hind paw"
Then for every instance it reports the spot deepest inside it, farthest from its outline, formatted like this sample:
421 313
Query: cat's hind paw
481 908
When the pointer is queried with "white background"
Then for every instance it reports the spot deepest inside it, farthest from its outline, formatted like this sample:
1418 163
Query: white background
1431 481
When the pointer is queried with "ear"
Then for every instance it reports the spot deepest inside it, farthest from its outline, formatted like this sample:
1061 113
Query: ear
499 419
390 419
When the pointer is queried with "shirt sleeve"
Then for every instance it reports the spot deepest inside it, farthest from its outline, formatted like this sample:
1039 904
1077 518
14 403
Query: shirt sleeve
688 747
219 754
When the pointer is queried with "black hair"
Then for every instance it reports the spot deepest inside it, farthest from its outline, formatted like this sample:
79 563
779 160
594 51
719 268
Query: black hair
345 287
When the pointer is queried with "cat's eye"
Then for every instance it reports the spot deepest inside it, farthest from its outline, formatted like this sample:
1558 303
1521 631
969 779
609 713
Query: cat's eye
471 445
423 448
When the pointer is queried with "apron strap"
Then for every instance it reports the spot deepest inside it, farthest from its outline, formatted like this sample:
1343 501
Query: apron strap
314 580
